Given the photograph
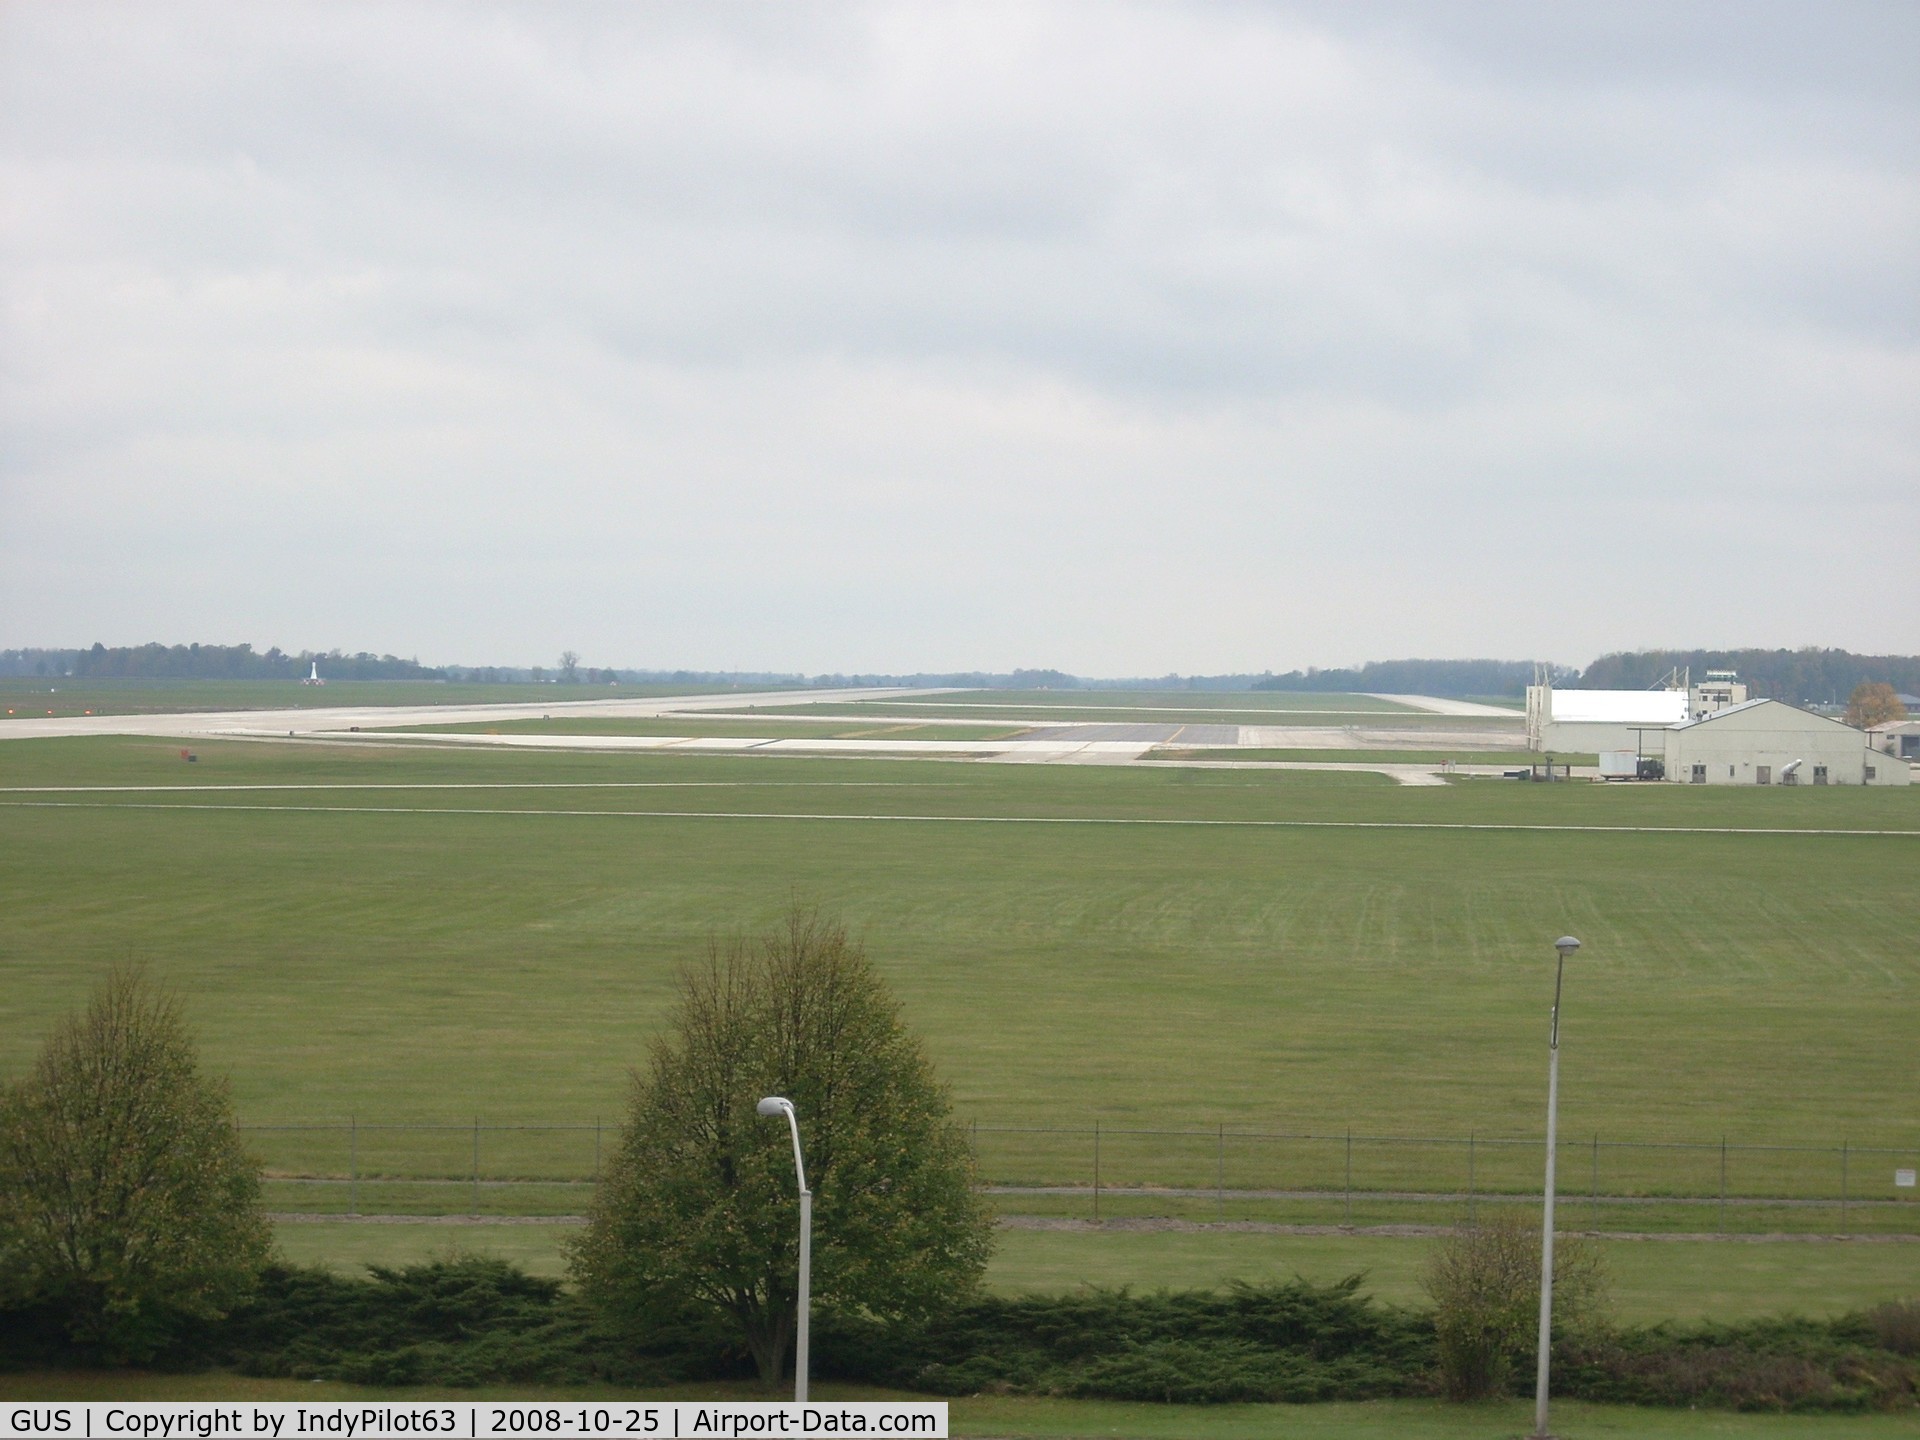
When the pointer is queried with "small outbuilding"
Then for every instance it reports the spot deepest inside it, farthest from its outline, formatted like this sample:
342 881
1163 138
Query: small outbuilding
1766 742
1897 737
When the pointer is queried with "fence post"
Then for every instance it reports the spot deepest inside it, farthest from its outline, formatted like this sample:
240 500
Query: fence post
1349 1175
1096 1172
1471 1209
476 1165
1593 1190
353 1163
1723 1184
596 1149
1220 1173
1843 1187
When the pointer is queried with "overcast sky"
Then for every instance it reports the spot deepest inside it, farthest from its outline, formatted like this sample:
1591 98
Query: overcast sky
1123 338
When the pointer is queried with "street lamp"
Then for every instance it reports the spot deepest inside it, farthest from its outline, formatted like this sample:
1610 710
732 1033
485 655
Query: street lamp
1565 946
779 1105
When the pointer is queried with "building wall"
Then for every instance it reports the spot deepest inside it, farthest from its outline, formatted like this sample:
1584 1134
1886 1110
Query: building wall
1900 738
1711 695
1561 737
1574 721
1736 748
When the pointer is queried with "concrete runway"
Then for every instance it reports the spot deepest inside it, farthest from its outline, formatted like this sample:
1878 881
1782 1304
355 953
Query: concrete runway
1378 737
1140 734
1005 752
1047 742
385 717
1436 706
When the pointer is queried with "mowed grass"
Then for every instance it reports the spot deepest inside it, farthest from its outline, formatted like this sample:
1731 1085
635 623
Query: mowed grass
408 956
350 1247
1652 1280
1250 969
60 697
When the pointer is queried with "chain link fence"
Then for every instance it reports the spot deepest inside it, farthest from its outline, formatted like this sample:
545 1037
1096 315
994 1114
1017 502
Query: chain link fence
1211 1175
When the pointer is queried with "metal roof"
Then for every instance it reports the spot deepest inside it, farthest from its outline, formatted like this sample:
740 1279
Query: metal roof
1750 704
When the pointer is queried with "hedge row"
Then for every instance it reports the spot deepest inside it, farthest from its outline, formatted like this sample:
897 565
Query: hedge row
471 1322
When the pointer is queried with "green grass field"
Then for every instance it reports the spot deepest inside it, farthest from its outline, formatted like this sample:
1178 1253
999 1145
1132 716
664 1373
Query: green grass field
1146 947
1068 953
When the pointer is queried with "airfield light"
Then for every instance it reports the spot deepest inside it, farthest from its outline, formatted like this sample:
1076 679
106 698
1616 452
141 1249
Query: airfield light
779 1105
1564 947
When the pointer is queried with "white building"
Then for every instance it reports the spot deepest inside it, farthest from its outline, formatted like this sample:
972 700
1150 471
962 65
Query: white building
1622 721
1575 721
1720 689
1764 742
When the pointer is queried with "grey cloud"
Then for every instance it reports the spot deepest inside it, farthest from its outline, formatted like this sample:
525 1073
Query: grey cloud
988 288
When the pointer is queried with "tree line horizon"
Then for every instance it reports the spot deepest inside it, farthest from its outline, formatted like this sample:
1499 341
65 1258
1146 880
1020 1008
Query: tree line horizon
1814 674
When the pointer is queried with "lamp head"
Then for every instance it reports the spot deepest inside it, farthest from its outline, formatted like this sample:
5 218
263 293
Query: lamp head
779 1105
1566 945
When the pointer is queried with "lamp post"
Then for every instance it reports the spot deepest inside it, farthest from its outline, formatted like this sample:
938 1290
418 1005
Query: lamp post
779 1105
1565 946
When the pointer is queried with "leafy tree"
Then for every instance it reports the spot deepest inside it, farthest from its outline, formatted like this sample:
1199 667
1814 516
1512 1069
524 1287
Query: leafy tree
1874 703
1484 1281
1796 676
127 1203
698 1209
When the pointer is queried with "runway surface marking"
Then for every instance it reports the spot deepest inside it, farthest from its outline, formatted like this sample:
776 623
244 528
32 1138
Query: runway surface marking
1145 821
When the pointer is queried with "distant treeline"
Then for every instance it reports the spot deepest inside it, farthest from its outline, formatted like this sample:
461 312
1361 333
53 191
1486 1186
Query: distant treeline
1818 676
1823 677
208 662
1419 677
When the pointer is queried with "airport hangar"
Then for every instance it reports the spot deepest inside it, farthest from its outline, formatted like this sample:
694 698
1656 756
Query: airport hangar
1559 721
1765 742
1708 734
